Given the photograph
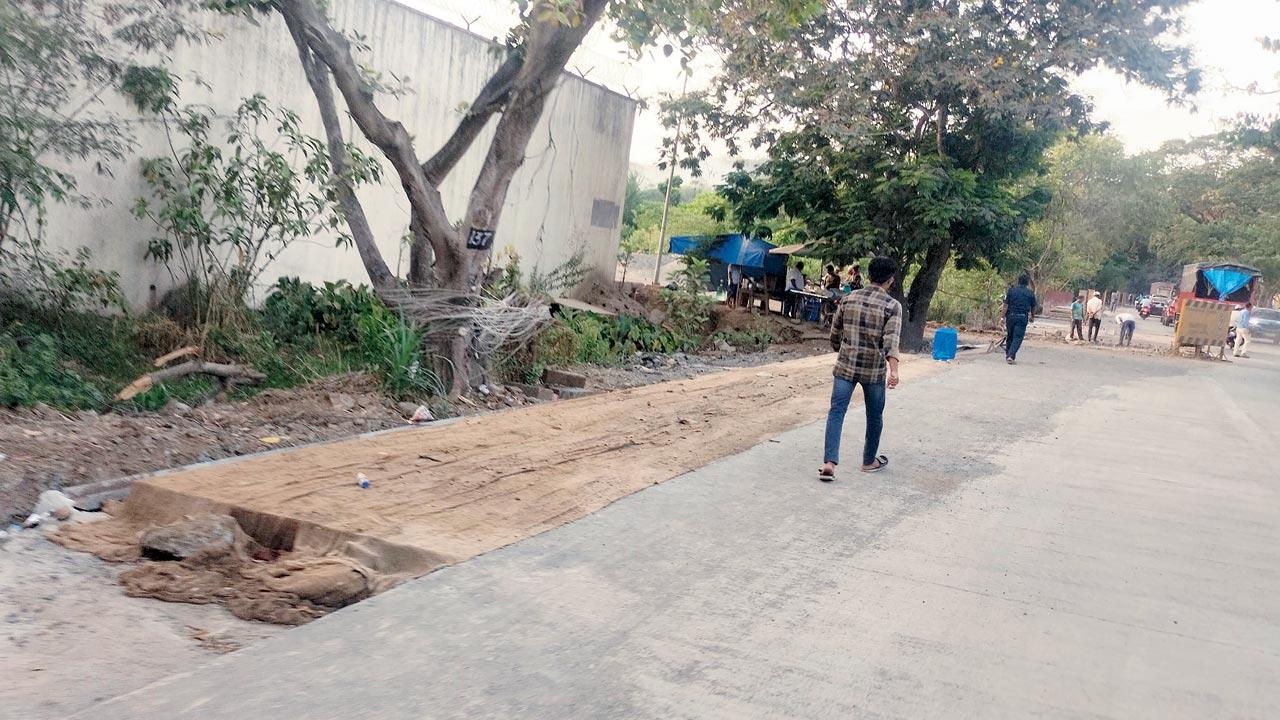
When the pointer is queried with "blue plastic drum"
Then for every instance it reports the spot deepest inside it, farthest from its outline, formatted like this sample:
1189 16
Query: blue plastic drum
944 344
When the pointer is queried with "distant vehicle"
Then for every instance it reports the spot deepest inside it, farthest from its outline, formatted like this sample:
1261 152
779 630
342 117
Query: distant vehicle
1229 283
1140 301
1265 324
1161 297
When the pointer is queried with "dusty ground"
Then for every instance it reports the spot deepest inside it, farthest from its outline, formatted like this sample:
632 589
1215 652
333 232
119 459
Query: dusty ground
70 638
441 494
48 449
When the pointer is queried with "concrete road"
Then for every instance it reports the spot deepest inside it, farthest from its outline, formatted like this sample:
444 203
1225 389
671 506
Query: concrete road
1085 535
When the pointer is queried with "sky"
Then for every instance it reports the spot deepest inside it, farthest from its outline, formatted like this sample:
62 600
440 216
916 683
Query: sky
1224 35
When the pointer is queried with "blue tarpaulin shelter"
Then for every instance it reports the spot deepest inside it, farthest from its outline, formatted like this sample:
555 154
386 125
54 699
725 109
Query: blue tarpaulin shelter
1226 280
751 254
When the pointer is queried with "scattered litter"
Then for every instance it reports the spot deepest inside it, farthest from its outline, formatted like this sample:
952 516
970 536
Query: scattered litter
51 500
425 456
764 374
484 389
31 521
271 440
362 481
422 415
3 457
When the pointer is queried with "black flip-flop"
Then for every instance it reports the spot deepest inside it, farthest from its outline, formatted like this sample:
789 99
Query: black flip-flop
826 475
882 462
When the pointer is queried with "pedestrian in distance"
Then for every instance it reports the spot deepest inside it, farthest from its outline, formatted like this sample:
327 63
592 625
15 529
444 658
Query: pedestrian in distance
1128 322
1019 311
1243 333
795 286
865 332
1077 319
1093 311
735 282
853 281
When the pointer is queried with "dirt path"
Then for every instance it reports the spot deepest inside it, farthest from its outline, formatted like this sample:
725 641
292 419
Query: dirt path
442 494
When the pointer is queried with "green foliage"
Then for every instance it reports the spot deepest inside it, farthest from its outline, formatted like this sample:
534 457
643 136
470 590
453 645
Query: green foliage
688 305
580 337
509 279
55 64
226 209
749 339
297 309
916 141
968 297
393 349
1223 196
33 370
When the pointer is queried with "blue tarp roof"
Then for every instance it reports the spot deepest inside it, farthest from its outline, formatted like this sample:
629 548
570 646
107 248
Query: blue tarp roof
1226 280
734 249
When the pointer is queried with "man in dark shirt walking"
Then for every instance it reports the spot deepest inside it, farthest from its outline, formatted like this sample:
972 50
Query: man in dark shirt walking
1019 311
865 331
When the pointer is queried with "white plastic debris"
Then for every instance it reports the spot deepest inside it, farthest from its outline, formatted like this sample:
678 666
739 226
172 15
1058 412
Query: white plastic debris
422 415
362 481
31 521
51 501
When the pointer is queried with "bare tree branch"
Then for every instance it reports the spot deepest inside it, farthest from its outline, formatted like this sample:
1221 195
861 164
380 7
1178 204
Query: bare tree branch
318 77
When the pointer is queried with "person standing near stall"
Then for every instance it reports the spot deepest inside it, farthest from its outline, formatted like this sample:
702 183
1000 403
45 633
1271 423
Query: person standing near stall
795 286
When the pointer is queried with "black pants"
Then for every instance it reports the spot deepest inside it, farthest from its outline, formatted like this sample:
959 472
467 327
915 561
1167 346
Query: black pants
1077 330
1095 325
1016 327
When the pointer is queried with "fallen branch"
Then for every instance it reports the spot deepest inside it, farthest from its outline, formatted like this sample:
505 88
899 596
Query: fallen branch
176 354
227 375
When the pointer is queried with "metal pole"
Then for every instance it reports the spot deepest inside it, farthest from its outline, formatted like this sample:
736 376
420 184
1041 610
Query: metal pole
671 177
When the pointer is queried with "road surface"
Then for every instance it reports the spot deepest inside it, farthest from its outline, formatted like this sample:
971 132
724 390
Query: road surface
1085 535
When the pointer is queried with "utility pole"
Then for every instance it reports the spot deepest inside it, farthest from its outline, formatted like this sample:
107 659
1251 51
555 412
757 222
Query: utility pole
671 178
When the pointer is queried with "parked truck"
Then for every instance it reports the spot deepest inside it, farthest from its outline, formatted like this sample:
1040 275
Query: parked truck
1232 284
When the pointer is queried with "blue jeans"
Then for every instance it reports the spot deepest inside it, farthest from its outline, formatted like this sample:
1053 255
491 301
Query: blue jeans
1016 327
873 400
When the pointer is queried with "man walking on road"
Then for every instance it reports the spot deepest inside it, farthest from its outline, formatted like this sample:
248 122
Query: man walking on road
1077 319
1093 310
865 333
1243 334
1019 310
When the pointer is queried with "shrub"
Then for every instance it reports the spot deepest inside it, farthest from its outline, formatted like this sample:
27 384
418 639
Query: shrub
393 349
747 338
688 306
32 370
296 309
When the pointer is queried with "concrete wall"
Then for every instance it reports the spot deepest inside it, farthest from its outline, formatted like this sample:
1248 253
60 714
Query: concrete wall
576 162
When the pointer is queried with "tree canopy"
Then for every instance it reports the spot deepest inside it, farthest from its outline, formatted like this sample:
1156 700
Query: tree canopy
910 128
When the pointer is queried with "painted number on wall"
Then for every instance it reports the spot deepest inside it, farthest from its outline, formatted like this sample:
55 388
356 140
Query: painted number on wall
478 239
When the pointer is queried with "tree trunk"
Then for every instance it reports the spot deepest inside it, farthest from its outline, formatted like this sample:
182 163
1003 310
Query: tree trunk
918 298
517 92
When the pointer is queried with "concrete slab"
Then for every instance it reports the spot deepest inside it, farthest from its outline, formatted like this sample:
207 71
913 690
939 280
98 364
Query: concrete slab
1084 535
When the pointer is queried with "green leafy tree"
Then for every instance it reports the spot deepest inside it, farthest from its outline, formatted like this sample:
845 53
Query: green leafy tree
1098 225
57 62
1223 194
227 205
908 128
537 50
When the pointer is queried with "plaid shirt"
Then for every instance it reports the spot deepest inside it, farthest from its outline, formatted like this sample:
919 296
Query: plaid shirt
865 332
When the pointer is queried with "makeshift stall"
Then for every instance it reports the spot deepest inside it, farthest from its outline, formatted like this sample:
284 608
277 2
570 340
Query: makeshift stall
749 254
810 303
